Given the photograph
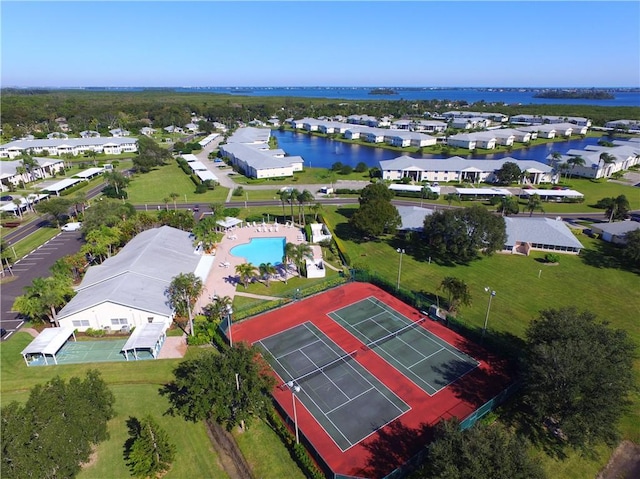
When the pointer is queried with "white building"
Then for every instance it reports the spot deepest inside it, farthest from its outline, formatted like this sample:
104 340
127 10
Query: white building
625 154
539 234
248 149
129 289
9 175
460 169
71 146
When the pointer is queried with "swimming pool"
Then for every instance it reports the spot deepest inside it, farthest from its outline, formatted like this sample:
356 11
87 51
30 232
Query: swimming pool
261 250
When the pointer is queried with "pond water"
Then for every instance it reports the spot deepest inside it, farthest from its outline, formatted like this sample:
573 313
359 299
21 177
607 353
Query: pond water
323 152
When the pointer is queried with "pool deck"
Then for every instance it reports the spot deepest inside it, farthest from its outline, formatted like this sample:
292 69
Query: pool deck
222 280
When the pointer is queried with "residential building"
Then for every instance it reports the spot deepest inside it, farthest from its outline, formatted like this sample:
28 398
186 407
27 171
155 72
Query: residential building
616 231
71 146
539 234
130 289
10 172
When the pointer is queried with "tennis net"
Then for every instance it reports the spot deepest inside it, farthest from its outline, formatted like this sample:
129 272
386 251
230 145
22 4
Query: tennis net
393 334
333 363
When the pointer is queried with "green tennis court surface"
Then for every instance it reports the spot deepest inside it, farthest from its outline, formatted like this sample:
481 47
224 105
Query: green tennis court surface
344 398
74 352
427 360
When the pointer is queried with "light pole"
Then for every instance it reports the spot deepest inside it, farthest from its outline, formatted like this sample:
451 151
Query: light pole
294 389
401 251
229 313
492 293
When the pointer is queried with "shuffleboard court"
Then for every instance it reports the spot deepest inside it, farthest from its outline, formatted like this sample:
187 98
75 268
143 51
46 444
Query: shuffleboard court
424 358
344 398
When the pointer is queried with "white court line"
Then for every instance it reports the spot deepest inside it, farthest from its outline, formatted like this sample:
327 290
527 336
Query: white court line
424 358
330 380
350 399
297 350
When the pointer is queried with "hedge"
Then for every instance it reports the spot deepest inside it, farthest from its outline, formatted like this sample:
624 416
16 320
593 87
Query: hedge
342 250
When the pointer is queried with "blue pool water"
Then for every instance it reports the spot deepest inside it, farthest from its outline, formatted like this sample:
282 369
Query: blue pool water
261 250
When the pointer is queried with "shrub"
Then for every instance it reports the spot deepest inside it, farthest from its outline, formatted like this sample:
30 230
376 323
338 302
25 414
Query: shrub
233 212
552 258
238 191
95 333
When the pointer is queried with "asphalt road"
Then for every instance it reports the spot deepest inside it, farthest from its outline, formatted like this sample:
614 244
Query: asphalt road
35 264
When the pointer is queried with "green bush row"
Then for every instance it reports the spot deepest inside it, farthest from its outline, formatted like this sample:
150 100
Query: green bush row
259 308
347 191
297 451
342 250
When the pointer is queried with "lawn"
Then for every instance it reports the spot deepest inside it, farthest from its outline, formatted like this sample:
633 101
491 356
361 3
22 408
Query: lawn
158 184
35 239
309 176
266 462
135 386
596 280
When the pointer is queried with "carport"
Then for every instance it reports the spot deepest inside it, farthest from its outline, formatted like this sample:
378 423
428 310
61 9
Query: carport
149 337
48 343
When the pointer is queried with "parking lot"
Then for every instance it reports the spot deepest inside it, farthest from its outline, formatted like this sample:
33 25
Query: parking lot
35 264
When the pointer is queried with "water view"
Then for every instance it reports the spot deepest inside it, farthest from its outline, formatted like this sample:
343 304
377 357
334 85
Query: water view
323 152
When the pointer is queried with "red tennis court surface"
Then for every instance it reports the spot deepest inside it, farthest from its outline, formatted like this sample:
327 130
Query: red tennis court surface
390 445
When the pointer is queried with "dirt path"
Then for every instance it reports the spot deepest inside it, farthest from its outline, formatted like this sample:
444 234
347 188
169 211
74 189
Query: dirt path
624 462
230 456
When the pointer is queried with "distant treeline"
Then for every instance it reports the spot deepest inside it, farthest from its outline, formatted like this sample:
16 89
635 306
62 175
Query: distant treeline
576 94
23 110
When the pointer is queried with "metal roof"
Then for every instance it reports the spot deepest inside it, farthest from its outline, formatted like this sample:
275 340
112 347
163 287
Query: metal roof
49 341
539 230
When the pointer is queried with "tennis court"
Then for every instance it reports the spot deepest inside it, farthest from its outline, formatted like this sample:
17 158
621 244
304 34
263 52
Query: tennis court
427 360
345 399
73 352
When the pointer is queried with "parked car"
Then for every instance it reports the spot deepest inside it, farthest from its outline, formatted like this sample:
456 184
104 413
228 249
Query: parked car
6 198
72 227
3 332
196 208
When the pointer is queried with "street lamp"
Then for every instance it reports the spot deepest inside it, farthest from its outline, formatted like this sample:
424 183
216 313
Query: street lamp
229 313
401 251
294 389
486 319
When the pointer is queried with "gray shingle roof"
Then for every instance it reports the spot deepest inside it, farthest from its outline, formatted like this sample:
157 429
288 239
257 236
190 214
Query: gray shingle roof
539 230
139 274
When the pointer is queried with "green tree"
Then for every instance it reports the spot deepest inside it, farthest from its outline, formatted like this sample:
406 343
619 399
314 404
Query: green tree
180 219
183 292
376 214
451 197
361 167
43 297
534 203
6 254
247 272
616 209
174 196
317 209
230 389
605 159
54 432
107 212
578 373
148 451
117 181
480 452
631 248
150 155
507 205
101 242
461 234
509 173
303 198
267 271
457 291
57 207
575 161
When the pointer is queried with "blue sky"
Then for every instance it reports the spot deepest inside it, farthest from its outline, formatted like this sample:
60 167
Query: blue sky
314 43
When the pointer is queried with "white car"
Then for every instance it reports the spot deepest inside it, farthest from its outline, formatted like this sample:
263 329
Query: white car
72 227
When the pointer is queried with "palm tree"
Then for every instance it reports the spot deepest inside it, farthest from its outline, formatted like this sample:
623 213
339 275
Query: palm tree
284 197
293 196
18 204
575 161
166 200
174 196
302 252
451 197
606 159
247 272
317 208
534 203
267 270
562 167
183 292
289 254
219 307
302 198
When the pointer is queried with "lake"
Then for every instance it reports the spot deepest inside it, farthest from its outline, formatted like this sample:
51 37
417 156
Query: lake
324 152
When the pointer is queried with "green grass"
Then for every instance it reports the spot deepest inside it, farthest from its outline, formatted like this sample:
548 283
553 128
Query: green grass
596 280
267 462
156 185
135 386
35 239
256 195
279 288
310 175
